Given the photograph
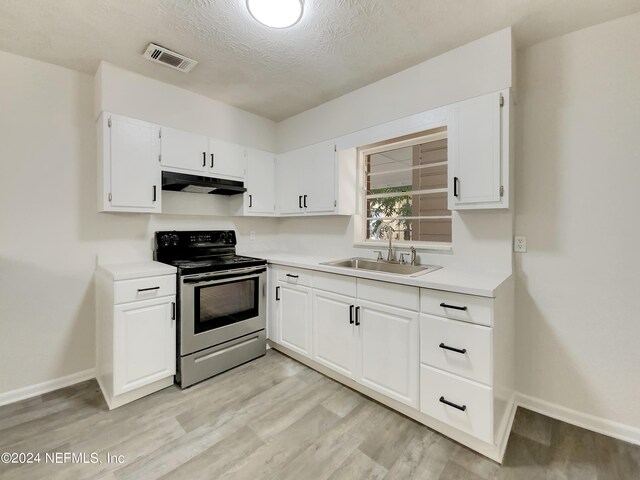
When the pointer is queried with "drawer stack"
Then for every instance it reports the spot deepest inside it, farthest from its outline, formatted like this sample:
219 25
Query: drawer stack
456 361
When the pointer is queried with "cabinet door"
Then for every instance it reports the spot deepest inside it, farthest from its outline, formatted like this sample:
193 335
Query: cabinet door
388 359
475 152
319 179
289 171
184 151
294 318
334 340
261 182
132 149
145 343
273 297
226 159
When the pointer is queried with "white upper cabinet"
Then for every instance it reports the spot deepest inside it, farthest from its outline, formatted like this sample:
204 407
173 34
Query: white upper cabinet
192 153
289 170
307 180
226 159
260 197
319 178
184 151
478 131
130 177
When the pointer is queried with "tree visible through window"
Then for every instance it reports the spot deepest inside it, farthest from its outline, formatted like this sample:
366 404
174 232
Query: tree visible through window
406 188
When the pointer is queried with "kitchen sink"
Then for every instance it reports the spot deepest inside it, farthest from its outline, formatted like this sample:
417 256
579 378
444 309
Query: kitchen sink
382 266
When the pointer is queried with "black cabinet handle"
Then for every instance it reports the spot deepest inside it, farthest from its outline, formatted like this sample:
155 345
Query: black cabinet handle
277 293
155 188
357 316
305 201
453 349
451 404
204 159
299 201
250 200
351 307
148 289
173 310
213 158
455 307
291 276
455 186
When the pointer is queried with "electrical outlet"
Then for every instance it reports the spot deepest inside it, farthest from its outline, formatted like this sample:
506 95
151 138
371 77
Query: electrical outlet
520 244
252 235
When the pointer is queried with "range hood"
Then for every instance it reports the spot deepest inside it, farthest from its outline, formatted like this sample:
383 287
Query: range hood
183 182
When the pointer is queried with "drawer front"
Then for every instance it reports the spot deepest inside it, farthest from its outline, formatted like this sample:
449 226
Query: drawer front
390 294
470 407
335 283
295 276
467 308
456 347
143 288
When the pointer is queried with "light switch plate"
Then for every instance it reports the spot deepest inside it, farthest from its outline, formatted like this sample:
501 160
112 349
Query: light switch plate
520 244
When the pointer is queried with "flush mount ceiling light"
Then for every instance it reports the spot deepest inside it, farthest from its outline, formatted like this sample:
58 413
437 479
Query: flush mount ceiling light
276 13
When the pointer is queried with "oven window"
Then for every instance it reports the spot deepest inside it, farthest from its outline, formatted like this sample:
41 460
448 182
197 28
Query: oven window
225 303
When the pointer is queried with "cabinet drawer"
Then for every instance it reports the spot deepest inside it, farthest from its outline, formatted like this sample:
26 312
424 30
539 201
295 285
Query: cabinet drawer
295 276
335 283
456 347
467 308
143 288
390 294
471 404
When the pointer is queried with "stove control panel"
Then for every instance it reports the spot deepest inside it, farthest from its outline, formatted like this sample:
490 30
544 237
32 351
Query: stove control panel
191 239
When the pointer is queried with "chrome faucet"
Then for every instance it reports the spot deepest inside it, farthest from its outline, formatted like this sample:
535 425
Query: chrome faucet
413 256
390 231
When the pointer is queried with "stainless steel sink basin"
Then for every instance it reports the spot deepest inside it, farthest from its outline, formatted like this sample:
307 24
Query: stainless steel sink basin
381 266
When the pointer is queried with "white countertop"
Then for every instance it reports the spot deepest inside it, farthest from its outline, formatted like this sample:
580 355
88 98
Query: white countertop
446 278
128 271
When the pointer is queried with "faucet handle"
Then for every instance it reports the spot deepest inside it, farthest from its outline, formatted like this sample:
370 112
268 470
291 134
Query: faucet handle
402 260
379 252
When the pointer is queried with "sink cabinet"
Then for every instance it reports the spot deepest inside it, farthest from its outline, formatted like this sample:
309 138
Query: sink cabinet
443 358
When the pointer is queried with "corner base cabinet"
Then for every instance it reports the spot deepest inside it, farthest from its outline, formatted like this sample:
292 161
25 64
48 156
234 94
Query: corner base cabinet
135 330
442 358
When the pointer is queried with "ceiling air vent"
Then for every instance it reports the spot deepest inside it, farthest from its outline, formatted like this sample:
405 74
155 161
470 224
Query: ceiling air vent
162 55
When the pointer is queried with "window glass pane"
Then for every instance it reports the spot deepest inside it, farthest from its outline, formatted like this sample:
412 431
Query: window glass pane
414 168
406 188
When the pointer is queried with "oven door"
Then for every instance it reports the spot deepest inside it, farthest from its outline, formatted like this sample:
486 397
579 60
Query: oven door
218 307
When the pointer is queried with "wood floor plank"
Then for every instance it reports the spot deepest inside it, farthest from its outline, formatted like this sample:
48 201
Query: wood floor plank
358 465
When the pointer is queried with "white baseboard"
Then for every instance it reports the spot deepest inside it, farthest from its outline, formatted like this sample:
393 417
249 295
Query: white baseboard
601 425
45 387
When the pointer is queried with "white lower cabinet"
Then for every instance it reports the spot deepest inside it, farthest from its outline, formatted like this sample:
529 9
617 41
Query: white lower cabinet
135 330
428 353
144 343
461 403
335 343
389 350
294 317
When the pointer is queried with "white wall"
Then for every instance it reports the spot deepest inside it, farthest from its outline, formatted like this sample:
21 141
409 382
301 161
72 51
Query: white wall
50 231
127 93
481 240
474 69
578 168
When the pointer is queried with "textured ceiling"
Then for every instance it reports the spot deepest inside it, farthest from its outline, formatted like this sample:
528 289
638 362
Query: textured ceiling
338 46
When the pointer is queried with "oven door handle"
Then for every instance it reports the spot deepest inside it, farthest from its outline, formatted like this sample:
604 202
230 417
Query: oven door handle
226 278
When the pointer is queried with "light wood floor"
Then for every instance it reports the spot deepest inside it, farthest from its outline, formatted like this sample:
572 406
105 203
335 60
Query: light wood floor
275 418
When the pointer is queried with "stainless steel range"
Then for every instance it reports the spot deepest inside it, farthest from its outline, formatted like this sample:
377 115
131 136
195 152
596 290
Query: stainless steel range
221 302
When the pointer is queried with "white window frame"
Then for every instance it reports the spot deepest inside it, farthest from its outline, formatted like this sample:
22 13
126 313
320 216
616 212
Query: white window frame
360 222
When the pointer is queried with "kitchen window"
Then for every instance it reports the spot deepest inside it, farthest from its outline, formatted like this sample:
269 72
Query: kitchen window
404 186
